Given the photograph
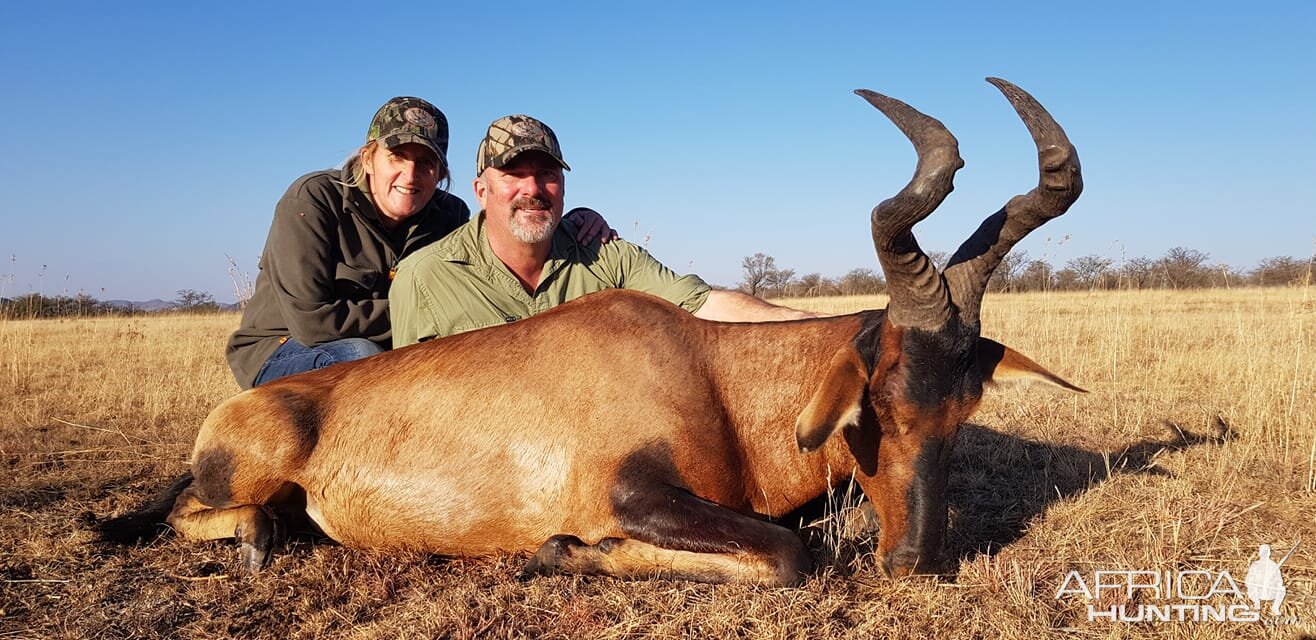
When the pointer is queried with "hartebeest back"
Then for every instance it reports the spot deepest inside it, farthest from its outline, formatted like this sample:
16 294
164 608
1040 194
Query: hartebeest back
619 435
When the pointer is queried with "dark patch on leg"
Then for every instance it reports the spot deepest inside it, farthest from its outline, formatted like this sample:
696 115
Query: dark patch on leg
214 470
303 415
652 505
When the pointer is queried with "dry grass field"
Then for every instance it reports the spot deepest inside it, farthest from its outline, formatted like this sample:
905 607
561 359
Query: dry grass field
1196 444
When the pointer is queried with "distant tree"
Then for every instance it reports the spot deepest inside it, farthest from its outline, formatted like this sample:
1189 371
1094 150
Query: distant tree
1184 268
1006 275
813 285
762 277
1223 275
1282 270
1065 280
859 282
193 301
35 305
1036 276
1090 272
777 282
1138 273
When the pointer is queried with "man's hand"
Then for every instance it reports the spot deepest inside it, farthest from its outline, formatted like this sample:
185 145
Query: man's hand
591 225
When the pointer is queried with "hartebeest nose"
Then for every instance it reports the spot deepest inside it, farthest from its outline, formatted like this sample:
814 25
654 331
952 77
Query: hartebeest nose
905 561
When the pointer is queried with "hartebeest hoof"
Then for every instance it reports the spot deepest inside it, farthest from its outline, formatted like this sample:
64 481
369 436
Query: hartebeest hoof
257 538
548 560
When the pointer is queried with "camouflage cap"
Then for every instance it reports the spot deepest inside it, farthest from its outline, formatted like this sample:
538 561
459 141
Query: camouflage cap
513 135
405 119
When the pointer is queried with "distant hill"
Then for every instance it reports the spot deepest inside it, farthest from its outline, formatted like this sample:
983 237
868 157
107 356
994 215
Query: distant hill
154 304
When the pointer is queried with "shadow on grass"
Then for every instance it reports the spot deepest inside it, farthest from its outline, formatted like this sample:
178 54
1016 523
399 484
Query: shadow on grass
1000 482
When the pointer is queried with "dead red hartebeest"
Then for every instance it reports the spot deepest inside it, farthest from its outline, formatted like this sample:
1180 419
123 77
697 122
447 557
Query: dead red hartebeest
619 435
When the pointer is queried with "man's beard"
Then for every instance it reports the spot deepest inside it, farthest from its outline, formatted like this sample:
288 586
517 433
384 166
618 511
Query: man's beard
532 230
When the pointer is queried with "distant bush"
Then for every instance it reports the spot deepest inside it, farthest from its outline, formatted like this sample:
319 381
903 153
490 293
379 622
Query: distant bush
1179 268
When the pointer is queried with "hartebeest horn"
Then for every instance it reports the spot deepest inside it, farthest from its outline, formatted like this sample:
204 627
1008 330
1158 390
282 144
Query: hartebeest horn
919 297
1059 185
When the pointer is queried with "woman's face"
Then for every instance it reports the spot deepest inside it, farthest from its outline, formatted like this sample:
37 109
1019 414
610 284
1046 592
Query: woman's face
402 180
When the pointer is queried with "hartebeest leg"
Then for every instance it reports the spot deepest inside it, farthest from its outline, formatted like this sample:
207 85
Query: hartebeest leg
675 534
254 526
231 497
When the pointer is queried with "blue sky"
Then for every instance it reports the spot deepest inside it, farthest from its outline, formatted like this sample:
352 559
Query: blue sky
145 142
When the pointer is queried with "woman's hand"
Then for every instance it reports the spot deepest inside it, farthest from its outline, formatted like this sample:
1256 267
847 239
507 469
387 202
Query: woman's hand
591 225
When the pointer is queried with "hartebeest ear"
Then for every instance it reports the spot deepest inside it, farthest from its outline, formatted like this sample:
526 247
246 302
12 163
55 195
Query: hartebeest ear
1001 364
835 403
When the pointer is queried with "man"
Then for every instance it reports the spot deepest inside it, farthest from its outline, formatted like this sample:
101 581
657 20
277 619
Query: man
518 258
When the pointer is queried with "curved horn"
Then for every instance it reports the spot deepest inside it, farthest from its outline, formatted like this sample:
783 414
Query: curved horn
919 297
1059 185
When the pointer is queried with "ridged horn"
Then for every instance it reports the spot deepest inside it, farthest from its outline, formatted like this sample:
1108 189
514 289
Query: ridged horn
1059 185
919 297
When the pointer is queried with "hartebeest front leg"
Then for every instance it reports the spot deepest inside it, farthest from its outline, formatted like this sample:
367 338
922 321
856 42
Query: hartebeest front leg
678 535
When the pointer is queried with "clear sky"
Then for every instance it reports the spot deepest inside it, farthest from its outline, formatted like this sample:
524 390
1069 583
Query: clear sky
143 143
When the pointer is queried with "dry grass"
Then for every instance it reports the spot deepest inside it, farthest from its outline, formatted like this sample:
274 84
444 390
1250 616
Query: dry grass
97 414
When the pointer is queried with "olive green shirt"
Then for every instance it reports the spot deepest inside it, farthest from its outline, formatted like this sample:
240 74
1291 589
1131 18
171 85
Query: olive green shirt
457 284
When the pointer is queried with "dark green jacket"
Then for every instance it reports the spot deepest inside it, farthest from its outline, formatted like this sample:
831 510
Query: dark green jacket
326 269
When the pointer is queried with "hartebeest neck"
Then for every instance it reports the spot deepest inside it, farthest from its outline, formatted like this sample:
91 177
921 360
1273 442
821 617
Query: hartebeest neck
765 374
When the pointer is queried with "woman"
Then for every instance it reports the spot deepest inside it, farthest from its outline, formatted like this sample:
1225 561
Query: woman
322 292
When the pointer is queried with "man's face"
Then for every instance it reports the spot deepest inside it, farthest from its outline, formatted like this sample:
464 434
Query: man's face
524 196
402 179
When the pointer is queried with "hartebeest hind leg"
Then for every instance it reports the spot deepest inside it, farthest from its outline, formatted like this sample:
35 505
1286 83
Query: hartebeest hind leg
675 534
254 526
245 454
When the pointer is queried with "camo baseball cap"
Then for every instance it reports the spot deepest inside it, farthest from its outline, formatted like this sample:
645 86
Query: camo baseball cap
511 136
405 119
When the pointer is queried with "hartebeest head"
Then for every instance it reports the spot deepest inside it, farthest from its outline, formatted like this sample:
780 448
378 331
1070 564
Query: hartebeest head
901 389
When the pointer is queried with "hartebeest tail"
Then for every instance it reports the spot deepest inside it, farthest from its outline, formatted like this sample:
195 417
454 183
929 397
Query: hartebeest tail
619 435
148 520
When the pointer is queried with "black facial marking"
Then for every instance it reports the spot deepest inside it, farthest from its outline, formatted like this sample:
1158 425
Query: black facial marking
926 497
941 366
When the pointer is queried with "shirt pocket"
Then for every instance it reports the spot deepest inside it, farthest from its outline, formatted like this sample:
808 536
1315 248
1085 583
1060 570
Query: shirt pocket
351 282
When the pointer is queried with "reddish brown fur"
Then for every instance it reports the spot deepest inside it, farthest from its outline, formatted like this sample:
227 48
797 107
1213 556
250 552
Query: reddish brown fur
497 440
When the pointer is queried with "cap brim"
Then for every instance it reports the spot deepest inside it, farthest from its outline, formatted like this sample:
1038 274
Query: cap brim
508 155
395 140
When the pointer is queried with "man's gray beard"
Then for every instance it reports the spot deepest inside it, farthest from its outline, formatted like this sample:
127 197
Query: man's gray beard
531 233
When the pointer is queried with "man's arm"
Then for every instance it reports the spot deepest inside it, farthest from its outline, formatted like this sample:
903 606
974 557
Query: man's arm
734 306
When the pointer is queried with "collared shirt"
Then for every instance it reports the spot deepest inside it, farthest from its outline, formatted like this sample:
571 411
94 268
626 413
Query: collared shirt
458 284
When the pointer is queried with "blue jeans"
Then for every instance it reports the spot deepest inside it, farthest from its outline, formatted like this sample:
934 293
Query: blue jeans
294 357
